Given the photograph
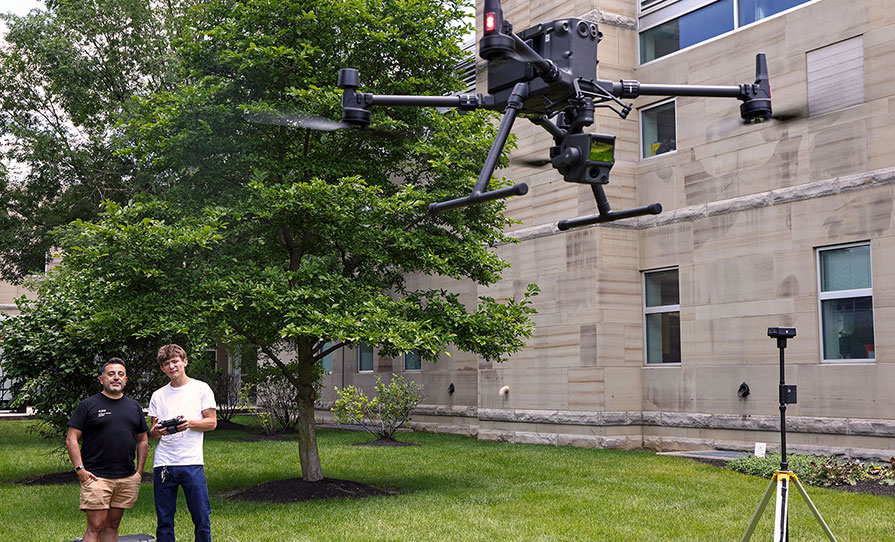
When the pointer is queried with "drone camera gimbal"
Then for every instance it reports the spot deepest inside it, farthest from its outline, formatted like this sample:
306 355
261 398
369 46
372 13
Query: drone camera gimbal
547 73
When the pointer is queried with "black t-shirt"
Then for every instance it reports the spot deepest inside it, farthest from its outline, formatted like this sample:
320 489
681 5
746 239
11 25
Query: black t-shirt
108 432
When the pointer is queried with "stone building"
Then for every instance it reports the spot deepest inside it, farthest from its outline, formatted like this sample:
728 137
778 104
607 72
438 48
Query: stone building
648 328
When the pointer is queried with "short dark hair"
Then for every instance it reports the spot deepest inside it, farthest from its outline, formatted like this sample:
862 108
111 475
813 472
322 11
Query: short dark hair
113 361
170 351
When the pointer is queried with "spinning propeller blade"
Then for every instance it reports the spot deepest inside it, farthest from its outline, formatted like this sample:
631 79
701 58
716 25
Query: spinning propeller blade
295 120
311 122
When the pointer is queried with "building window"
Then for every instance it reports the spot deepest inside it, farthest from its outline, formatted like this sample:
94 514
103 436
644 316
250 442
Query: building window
658 132
666 27
364 358
755 10
694 27
327 360
662 315
412 361
846 303
835 76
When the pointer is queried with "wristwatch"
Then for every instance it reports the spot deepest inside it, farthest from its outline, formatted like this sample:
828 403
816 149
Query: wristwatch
79 467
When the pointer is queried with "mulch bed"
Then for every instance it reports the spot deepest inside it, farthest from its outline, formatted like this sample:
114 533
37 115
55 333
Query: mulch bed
297 490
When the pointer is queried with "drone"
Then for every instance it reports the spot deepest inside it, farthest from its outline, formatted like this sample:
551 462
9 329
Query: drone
547 73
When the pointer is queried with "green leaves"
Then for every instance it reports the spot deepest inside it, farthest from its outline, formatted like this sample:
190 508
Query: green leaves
214 227
382 415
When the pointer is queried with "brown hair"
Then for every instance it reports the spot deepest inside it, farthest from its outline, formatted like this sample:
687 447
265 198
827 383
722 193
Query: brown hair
170 351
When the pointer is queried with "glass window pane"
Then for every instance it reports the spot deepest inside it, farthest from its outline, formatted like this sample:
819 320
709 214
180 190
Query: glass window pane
755 10
663 337
845 268
659 41
705 23
659 133
848 328
412 361
328 359
364 357
662 288
692 28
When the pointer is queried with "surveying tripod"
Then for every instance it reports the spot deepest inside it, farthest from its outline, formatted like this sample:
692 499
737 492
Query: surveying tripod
782 478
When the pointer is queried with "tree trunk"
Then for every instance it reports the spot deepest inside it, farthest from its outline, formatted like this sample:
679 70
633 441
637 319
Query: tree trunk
307 442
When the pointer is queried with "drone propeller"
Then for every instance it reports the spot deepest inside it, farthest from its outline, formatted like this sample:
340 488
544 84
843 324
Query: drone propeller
295 120
532 162
792 114
307 121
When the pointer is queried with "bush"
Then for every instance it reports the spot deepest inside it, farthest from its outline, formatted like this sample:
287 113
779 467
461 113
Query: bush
261 416
813 470
275 400
382 415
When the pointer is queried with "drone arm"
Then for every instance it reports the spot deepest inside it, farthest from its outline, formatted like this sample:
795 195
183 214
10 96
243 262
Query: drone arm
633 89
756 97
478 195
462 101
546 68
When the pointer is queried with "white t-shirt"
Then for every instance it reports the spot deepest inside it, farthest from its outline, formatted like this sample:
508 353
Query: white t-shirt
189 400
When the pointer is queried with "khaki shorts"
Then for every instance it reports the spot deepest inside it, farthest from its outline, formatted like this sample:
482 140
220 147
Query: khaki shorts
105 493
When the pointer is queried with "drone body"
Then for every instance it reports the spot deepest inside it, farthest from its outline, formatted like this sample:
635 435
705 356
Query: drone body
548 74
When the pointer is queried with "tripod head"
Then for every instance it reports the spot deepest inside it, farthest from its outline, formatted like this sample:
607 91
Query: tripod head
548 74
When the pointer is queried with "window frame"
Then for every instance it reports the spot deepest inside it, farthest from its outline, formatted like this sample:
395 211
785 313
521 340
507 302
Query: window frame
641 112
662 12
418 357
659 309
360 353
852 293
331 356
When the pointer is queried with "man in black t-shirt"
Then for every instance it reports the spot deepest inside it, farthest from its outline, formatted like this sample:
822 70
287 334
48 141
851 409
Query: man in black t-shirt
112 429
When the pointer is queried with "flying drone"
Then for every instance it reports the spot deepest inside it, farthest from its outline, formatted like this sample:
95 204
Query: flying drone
547 73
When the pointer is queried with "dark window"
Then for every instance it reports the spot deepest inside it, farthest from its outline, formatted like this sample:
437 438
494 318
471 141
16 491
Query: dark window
662 315
364 357
658 130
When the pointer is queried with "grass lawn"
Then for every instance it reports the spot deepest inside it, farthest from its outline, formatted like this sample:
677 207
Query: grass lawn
451 488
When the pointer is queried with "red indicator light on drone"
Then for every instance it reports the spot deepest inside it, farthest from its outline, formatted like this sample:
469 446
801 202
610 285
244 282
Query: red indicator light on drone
490 22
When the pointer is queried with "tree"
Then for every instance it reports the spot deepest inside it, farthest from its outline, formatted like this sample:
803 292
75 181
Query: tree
287 240
53 352
69 74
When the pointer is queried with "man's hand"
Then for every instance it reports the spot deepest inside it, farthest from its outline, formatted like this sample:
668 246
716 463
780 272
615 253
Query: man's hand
85 475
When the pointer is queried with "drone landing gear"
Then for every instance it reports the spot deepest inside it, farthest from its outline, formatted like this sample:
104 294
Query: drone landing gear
606 214
478 195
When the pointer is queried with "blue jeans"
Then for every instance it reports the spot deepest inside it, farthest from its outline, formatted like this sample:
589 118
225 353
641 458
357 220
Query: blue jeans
192 479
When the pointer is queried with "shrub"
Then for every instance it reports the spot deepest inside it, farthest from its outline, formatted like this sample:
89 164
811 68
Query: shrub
275 400
813 470
261 416
884 474
382 415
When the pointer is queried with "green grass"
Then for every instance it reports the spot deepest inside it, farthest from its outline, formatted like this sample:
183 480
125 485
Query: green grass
451 488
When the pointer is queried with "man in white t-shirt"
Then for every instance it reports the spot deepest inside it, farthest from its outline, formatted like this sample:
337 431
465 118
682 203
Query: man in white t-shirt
178 457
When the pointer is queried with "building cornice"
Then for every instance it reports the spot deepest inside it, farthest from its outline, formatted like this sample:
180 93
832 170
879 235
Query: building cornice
769 198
